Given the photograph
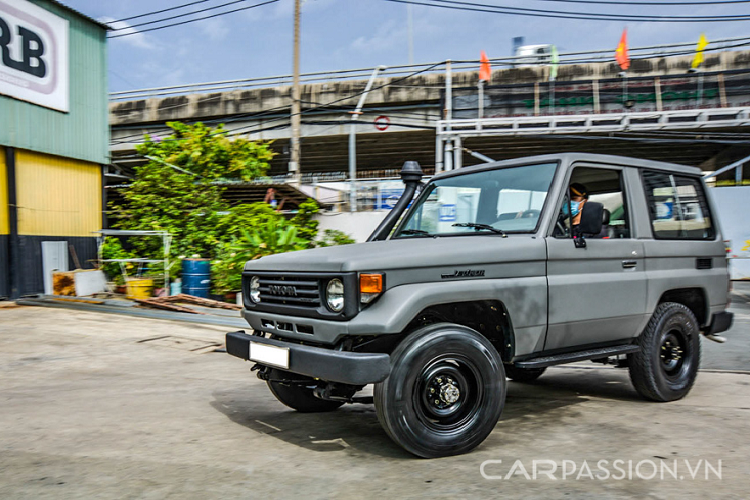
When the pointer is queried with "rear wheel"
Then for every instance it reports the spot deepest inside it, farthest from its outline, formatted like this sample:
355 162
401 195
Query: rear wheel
667 364
445 392
518 374
298 396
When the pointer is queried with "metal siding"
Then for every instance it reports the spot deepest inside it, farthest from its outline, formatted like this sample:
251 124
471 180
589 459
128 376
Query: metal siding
4 266
4 223
30 260
57 196
83 133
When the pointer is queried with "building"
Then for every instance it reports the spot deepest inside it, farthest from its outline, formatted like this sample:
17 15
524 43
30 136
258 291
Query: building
54 138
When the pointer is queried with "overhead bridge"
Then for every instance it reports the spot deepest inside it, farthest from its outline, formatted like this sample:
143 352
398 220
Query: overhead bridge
443 119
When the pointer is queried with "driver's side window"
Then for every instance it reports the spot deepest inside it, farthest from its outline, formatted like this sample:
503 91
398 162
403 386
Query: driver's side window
599 185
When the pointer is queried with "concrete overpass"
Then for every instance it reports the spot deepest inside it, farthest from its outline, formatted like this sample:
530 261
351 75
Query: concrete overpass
402 112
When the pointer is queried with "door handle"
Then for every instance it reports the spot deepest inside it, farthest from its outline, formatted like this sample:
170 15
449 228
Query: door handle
629 264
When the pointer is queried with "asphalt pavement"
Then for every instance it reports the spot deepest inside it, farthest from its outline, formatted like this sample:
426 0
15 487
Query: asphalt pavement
108 406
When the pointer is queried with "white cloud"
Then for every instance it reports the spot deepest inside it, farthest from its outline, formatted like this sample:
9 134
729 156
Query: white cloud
123 28
215 29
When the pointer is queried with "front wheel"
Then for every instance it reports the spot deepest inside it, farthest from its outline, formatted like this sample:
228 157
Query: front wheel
445 392
667 364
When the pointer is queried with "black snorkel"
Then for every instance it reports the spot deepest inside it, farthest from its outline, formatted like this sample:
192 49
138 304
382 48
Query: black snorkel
411 175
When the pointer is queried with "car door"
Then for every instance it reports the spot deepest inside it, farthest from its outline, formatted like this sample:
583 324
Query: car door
597 294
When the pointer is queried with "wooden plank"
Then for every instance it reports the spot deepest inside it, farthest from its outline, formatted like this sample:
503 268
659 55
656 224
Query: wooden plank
166 306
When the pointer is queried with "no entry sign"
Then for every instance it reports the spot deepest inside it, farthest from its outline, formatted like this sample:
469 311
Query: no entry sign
382 122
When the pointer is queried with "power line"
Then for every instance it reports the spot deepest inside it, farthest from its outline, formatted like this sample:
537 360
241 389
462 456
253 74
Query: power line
698 2
197 19
519 11
179 15
159 11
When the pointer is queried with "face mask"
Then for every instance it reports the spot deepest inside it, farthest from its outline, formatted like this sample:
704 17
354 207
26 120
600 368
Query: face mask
575 207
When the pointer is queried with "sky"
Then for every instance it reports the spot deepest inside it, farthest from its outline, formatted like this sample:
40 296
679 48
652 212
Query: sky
344 34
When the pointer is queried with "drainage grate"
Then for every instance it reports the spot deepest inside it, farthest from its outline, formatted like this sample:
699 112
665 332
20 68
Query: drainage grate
182 343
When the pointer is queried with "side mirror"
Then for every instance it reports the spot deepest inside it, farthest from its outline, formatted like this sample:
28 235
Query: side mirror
592 218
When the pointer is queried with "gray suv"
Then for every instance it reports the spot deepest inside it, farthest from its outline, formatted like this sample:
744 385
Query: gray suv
493 271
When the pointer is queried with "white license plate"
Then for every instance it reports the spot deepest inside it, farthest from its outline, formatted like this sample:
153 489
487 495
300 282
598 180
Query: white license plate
270 355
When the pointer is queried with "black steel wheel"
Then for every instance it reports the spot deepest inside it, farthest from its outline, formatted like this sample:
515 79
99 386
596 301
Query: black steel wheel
518 374
298 396
667 364
445 392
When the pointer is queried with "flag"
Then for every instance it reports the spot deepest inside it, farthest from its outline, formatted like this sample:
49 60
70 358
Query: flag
621 54
485 72
698 59
553 62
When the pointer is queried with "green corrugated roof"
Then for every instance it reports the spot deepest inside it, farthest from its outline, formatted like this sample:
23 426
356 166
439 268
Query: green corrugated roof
101 24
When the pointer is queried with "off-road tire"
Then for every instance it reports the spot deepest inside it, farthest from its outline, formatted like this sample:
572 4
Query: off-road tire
672 324
416 404
299 397
519 374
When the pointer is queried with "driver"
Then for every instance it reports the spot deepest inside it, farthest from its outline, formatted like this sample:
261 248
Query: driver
578 197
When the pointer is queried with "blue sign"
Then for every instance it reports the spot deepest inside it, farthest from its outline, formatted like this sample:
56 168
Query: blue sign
389 198
447 212
664 210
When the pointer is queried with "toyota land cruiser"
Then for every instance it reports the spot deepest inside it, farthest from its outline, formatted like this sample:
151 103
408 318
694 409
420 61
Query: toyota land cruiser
493 272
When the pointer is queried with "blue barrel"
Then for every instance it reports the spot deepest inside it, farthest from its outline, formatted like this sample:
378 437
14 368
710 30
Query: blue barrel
196 277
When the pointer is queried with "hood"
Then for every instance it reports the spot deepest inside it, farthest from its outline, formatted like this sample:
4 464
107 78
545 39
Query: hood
406 253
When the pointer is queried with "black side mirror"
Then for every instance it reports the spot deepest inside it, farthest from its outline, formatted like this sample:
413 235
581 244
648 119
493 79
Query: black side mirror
592 218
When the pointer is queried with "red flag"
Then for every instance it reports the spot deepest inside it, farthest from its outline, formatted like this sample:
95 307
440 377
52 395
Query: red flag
621 54
485 73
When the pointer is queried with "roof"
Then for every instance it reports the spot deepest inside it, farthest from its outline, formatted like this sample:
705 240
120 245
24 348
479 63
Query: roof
80 14
580 157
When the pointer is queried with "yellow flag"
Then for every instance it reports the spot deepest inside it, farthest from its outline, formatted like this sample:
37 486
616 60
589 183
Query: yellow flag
698 59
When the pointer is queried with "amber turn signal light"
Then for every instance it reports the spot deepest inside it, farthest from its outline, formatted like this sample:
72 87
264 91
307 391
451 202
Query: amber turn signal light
370 283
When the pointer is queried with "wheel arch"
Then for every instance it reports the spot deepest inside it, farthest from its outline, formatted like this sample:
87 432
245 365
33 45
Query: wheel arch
694 298
488 317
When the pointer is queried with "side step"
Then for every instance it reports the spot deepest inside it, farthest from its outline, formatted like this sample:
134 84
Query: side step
570 357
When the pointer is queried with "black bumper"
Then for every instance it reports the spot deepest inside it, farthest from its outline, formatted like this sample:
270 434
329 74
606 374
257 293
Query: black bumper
721 322
355 368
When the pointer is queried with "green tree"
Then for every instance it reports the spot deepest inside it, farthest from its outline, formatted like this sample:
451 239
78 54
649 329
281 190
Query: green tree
176 190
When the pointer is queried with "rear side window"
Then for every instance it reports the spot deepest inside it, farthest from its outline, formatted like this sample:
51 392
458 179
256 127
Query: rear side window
677 207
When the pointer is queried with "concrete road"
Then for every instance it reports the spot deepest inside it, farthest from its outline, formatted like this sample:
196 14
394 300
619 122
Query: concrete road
106 406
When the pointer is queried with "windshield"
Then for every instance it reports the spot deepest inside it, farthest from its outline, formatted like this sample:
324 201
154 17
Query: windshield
491 201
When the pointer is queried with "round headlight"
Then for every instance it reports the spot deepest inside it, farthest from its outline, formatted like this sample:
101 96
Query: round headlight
255 289
335 295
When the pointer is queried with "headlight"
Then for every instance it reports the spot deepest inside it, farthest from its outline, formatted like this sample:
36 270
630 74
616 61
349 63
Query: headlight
255 289
335 295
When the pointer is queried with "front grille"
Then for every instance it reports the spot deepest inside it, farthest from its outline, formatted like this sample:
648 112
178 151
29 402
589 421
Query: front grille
290 290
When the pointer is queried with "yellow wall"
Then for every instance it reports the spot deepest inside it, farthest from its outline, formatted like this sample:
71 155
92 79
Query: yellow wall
57 196
4 228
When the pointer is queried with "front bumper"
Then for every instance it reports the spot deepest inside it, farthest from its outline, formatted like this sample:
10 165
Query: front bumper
720 322
355 368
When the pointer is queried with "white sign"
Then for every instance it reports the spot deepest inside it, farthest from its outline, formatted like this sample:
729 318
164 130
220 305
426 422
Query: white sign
33 55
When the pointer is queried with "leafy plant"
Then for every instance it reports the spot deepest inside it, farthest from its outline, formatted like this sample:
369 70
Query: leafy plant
112 249
276 236
332 237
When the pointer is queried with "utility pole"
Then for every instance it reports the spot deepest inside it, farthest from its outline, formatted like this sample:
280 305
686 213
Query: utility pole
294 164
410 32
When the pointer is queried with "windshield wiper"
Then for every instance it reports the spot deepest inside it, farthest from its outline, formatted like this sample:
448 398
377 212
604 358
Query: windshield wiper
479 227
415 231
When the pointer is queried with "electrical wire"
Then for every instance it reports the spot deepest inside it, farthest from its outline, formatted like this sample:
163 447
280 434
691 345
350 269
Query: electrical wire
602 2
152 13
179 15
197 19
519 11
